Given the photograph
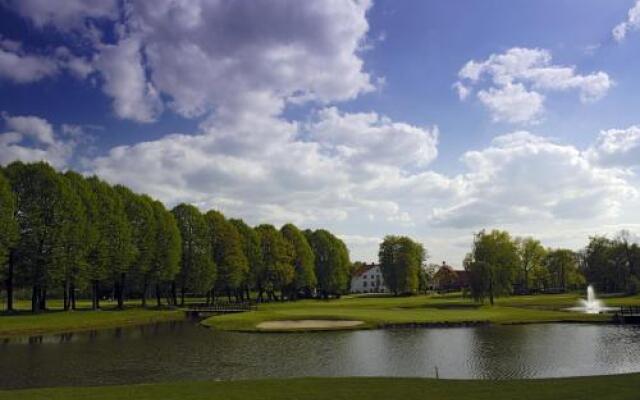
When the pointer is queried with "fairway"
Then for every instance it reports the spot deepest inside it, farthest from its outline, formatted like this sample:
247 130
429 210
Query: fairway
425 310
616 387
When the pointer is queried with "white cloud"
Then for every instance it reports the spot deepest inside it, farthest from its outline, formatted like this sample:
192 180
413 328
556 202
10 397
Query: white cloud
527 179
632 23
222 57
516 78
617 147
125 81
20 67
30 138
512 103
64 14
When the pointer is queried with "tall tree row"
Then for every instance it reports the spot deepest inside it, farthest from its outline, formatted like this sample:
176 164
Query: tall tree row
64 235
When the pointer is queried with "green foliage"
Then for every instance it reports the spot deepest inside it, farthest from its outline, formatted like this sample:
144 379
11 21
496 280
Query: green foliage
401 262
9 234
50 220
332 264
226 251
165 262
278 270
116 249
197 268
610 264
252 249
492 265
531 254
140 215
303 258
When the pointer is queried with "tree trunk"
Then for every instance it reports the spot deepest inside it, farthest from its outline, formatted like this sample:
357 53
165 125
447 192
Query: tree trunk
182 290
145 288
9 283
43 299
174 294
158 295
72 296
120 291
35 301
65 295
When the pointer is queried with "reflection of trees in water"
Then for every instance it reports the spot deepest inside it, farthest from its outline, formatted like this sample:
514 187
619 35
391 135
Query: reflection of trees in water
497 352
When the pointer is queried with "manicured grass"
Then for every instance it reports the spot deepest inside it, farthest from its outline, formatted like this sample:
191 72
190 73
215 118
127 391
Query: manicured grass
615 387
451 309
25 323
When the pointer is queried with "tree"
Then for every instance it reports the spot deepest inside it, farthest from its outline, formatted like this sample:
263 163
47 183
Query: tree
332 264
116 249
401 261
81 269
9 237
167 250
492 265
252 250
141 218
303 260
44 223
562 265
197 268
227 253
531 254
278 270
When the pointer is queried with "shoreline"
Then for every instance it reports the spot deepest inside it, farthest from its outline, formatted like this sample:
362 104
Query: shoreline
611 387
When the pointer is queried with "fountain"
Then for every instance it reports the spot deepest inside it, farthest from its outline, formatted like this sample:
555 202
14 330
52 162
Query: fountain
591 305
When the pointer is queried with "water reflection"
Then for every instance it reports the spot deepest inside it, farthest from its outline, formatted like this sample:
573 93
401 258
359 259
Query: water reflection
186 351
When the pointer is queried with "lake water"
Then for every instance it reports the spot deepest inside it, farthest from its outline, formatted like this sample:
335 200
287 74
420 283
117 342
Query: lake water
187 351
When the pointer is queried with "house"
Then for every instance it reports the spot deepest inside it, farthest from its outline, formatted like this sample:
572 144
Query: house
449 279
368 279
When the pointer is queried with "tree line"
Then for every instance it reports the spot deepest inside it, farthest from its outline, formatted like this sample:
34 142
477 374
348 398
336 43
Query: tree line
500 264
76 235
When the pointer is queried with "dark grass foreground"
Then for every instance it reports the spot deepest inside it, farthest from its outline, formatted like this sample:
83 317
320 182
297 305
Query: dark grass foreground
616 387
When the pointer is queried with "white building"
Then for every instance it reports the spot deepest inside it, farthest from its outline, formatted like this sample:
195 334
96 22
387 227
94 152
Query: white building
368 279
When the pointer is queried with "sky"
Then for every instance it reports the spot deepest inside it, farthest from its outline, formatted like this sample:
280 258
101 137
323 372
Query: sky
432 119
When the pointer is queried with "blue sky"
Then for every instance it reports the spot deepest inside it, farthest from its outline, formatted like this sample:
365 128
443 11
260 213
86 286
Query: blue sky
341 114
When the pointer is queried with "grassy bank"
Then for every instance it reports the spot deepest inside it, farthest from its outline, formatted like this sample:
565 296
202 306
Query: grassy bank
616 387
451 309
373 311
25 323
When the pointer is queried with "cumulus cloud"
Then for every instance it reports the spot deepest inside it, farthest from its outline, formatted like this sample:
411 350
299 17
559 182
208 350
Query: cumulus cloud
512 103
617 147
327 169
31 138
223 56
632 23
64 14
512 83
524 178
20 67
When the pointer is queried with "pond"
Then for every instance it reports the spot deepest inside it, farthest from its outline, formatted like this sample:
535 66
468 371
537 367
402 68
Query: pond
187 351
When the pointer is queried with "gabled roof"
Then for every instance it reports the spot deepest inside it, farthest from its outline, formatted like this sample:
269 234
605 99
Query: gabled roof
363 269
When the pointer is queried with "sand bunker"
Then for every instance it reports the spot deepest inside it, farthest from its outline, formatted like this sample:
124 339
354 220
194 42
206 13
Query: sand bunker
306 324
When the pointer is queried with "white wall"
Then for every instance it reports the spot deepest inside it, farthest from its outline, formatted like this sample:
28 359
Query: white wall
370 281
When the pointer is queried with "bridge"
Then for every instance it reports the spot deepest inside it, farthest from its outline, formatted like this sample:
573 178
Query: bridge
204 309
628 315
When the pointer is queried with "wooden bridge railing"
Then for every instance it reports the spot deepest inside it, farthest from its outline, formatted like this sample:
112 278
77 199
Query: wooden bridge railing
222 306
629 311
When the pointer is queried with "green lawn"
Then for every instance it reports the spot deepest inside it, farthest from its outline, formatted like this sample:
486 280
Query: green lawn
615 387
374 311
25 323
380 311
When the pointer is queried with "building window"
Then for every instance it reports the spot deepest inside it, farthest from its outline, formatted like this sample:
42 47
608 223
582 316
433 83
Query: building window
364 277
364 284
